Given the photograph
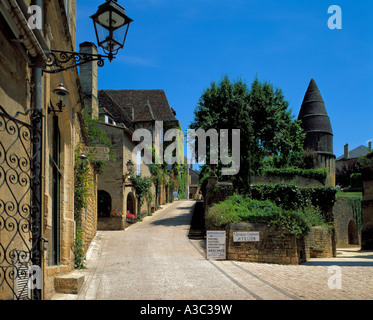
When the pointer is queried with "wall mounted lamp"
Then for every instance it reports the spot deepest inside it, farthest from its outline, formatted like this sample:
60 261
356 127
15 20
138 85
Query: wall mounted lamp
111 25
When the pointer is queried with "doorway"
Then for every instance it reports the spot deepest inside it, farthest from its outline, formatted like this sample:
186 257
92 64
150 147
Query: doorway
104 204
131 203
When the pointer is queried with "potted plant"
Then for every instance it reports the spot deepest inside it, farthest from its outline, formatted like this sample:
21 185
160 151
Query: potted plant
131 218
115 213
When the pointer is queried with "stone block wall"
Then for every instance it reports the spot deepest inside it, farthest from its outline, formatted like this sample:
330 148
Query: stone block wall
89 215
273 247
113 223
346 229
278 247
367 207
318 243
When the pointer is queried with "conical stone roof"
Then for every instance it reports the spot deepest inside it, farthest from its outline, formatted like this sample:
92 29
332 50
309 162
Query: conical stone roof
315 121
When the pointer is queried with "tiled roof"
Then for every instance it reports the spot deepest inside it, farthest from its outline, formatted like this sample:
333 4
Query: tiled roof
355 153
119 115
146 113
137 105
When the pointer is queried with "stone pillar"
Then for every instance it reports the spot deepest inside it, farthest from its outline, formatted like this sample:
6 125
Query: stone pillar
88 79
367 207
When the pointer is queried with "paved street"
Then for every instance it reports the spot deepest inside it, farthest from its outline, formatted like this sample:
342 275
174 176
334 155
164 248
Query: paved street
154 259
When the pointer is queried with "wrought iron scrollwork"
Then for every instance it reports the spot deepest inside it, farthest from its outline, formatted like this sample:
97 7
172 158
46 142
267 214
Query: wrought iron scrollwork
20 213
58 59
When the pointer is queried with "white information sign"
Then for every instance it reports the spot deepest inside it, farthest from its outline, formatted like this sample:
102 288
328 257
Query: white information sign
246 236
216 248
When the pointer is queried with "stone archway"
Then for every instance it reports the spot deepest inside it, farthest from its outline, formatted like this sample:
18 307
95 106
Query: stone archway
103 204
353 234
131 203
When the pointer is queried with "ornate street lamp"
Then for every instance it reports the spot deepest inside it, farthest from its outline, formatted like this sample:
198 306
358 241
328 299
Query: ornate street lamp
60 92
111 26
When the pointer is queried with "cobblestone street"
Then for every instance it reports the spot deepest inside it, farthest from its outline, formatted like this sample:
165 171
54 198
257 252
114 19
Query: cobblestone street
155 260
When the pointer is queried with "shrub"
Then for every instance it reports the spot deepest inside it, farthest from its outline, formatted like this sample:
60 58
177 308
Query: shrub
317 174
291 197
239 209
356 181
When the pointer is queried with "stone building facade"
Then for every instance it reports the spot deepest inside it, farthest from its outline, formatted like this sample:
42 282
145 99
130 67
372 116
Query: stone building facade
25 84
122 112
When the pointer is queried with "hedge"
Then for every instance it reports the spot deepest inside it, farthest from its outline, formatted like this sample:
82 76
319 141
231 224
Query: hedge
239 209
317 174
292 197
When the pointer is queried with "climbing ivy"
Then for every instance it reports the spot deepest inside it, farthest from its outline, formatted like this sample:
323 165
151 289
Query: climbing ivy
97 137
142 187
355 203
82 191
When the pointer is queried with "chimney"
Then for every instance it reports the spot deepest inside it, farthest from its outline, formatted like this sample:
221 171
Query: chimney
88 79
346 153
370 145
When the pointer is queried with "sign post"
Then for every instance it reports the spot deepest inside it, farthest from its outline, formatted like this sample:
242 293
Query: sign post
216 245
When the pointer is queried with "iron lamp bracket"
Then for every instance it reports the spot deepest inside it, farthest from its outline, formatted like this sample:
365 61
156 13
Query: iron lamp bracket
59 60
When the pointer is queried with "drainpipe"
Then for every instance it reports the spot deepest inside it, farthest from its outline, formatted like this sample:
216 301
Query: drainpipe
38 71
37 185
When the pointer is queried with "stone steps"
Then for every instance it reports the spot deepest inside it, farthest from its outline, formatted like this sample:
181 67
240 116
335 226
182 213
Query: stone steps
69 283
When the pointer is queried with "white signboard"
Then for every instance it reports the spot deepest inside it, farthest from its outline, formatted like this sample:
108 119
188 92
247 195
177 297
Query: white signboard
176 195
216 248
245 236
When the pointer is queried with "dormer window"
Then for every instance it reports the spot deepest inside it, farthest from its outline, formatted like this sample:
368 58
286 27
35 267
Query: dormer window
109 120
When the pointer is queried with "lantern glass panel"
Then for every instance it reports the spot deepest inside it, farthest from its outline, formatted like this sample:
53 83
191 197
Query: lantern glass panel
111 20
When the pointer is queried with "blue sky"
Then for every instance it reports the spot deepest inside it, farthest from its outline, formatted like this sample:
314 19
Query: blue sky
182 45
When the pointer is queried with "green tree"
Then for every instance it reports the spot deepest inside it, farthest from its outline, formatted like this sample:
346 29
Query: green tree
277 135
225 106
269 132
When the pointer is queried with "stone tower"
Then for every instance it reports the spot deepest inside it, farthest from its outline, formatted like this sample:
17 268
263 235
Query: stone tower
319 134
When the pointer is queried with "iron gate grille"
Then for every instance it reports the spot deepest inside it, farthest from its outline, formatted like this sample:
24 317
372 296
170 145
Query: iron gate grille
20 204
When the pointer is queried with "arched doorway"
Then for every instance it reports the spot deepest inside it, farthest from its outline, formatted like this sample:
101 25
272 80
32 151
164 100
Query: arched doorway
104 204
353 234
131 203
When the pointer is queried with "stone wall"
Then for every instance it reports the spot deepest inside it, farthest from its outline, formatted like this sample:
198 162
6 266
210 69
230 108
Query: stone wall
318 243
89 214
367 207
346 229
278 247
273 247
112 223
